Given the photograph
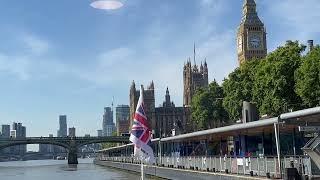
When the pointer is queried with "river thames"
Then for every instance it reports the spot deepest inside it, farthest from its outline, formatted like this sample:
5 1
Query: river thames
59 170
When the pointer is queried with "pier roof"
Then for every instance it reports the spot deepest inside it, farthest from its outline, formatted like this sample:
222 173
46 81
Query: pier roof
287 122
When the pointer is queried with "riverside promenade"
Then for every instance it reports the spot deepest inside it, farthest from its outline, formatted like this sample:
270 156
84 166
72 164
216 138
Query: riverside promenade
172 173
267 148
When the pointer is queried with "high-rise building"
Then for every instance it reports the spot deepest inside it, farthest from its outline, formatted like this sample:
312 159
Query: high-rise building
5 131
100 134
63 128
107 124
18 131
13 133
122 119
193 79
61 132
251 36
23 131
72 132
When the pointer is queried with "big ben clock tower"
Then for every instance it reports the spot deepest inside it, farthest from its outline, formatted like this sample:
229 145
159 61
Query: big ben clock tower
251 37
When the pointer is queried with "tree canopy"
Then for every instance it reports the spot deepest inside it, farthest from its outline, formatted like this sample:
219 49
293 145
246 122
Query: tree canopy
238 88
286 78
206 107
308 78
273 87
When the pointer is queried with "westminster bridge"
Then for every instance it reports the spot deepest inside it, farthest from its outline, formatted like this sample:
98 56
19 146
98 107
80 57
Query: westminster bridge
71 144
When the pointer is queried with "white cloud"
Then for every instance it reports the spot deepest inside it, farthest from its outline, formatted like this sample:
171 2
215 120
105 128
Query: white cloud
36 45
31 60
220 52
108 67
301 15
106 4
141 62
33 67
145 61
115 56
149 60
16 66
122 65
291 19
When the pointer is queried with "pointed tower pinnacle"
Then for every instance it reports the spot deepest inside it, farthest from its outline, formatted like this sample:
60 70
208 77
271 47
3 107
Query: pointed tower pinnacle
151 85
167 103
249 2
205 66
250 15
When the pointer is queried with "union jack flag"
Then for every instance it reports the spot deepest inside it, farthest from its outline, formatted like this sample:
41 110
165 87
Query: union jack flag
141 133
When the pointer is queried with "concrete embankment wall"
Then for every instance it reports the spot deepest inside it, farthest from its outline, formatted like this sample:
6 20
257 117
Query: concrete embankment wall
170 173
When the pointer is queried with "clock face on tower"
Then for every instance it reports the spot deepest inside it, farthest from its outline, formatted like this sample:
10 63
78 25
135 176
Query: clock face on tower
255 41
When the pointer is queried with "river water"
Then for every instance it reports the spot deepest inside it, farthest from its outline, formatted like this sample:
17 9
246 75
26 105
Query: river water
59 170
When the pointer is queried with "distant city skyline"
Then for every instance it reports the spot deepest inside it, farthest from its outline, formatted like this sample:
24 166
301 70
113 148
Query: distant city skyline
73 61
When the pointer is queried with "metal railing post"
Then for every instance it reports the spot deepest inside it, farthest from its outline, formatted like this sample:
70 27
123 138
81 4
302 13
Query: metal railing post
244 165
220 164
230 164
258 166
266 165
276 132
237 165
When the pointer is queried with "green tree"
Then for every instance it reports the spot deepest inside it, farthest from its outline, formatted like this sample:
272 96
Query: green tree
273 88
206 107
308 78
238 88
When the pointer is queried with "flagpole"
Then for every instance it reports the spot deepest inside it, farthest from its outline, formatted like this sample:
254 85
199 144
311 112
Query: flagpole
141 134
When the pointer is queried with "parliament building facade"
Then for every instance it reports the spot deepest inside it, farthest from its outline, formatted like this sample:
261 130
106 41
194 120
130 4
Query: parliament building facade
169 120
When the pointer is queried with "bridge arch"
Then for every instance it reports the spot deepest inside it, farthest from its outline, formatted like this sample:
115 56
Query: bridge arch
10 144
70 143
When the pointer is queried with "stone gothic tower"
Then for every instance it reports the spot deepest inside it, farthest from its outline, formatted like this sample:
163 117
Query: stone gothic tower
193 78
149 103
251 37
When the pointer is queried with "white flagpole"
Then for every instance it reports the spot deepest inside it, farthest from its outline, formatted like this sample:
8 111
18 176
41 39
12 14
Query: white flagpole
138 154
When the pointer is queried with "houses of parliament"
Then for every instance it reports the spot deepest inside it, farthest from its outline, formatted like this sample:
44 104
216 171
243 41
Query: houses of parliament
169 120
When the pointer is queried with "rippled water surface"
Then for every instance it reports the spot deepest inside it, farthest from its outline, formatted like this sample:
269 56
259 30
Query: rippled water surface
59 170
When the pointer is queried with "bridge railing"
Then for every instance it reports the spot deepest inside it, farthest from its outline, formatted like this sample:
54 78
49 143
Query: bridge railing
255 166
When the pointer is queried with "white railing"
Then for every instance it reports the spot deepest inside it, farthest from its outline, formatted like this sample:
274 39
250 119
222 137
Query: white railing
256 166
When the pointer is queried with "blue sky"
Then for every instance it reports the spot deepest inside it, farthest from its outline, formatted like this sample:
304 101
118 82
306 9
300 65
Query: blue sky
65 57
